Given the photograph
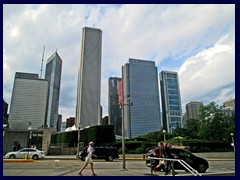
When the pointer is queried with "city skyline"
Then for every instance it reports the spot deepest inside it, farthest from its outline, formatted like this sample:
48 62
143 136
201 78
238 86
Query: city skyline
197 41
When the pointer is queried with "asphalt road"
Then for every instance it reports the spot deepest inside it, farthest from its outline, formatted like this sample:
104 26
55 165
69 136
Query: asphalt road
221 164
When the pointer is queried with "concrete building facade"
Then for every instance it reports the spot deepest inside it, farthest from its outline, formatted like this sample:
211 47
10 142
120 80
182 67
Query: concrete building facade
88 109
28 102
192 109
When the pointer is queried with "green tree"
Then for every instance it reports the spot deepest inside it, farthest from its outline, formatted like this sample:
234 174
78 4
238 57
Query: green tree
192 126
214 124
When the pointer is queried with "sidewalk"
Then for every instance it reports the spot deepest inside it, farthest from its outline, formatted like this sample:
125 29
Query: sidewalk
69 165
212 156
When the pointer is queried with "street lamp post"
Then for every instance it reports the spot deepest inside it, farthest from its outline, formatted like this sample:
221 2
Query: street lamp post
123 139
164 136
78 144
30 137
123 135
233 142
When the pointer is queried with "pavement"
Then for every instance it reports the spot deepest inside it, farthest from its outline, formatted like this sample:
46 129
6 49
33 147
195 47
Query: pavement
135 166
210 156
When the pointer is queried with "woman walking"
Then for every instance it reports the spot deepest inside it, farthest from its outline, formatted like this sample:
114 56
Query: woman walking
88 159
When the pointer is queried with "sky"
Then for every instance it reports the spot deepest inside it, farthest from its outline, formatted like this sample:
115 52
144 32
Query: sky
197 41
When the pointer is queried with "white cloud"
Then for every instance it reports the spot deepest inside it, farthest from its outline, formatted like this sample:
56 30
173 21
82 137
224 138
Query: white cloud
211 70
196 34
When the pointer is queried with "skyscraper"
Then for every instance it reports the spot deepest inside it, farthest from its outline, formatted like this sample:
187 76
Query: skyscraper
140 88
59 122
28 102
171 101
5 109
88 110
53 75
114 112
229 107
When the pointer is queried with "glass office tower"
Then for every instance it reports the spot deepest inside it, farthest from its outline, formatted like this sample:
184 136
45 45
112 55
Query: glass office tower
53 75
140 87
114 112
171 101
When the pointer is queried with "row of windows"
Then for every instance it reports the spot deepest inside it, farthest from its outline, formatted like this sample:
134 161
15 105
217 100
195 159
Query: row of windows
171 81
174 107
173 97
175 113
172 91
173 102
170 75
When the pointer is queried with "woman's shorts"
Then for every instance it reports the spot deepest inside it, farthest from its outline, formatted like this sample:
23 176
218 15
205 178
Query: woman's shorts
88 160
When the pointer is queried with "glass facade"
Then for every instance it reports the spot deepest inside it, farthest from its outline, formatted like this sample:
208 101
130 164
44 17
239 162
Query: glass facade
114 111
171 101
140 86
53 75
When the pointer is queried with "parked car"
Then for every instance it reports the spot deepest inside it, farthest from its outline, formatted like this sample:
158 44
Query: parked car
26 152
107 153
198 163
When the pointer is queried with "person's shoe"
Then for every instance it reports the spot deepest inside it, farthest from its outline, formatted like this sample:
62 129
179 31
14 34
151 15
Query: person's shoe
80 174
94 174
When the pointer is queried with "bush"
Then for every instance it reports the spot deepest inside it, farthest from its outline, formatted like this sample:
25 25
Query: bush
194 149
140 150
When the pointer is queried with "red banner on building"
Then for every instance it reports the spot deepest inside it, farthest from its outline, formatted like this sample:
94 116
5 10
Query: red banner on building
120 92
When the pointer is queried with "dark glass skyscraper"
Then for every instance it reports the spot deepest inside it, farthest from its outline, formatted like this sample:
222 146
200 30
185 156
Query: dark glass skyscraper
171 101
140 87
53 75
115 116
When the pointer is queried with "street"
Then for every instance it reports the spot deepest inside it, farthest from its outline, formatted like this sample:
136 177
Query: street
134 167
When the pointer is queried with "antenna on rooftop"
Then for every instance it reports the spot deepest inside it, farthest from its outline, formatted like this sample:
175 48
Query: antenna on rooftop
42 62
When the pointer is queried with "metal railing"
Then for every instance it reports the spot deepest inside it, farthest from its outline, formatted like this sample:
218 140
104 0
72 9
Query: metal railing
183 163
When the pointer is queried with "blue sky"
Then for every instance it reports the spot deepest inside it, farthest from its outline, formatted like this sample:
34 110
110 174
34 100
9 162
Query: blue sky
197 41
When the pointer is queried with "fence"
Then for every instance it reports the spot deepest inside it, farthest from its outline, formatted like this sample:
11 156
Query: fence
183 163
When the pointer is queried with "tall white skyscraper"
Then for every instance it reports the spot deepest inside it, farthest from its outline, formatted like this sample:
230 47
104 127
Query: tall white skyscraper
53 75
88 110
28 102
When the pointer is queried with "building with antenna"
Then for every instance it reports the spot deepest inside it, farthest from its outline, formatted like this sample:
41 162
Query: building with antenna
42 63
53 76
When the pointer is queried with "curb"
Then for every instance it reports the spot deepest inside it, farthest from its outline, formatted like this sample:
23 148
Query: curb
139 159
17 160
